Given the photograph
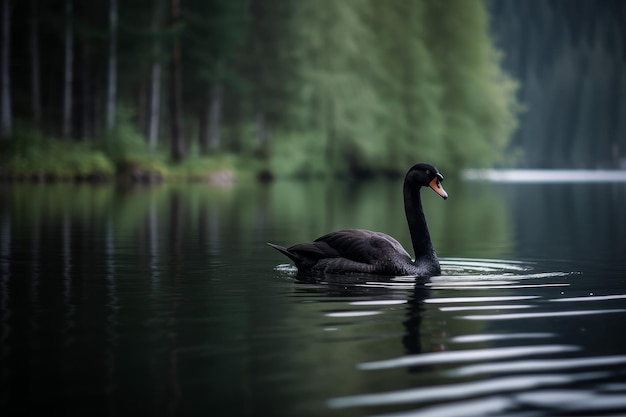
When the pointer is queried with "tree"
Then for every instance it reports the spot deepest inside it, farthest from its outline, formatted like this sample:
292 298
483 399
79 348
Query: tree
478 98
155 77
215 109
270 66
216 35
35 65
68 72
406 78
112 67
5 100
337 98
176 87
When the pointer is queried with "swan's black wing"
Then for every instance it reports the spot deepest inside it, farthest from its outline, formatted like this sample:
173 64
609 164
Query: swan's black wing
363 245
355 247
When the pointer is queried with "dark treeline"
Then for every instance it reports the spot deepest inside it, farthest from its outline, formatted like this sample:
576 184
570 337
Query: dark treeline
569 56
308 86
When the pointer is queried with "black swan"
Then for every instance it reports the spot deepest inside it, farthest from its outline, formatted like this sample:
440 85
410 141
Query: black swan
364 251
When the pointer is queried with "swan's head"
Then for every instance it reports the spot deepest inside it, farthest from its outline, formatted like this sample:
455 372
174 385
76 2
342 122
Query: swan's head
427 175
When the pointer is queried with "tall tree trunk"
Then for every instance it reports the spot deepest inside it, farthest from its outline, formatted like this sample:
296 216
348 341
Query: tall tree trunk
176 90
35 70
215 114
97 109
261 132
5 100
262 142
203 140
68 77
142 105
112 69
87 126
155 85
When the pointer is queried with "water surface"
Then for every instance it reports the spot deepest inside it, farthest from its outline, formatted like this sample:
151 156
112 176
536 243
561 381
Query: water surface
166 301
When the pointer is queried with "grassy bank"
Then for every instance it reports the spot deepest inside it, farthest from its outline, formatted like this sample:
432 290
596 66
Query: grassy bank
28 156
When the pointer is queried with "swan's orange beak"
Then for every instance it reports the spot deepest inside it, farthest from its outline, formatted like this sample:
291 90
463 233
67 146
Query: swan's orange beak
435 184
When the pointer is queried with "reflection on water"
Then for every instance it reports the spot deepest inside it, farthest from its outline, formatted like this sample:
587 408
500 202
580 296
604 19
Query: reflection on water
166 301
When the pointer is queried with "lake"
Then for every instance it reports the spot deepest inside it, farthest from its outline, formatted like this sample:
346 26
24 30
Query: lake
165 300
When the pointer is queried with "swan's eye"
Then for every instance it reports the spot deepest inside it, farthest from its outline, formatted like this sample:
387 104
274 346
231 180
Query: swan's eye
428 172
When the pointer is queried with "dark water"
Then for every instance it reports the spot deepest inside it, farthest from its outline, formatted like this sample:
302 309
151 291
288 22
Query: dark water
166 301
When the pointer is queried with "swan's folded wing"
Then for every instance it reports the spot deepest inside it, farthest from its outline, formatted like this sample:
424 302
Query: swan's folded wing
386 242
314 250
360 245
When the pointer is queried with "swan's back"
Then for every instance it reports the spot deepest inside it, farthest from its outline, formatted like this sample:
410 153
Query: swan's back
363 245
350 250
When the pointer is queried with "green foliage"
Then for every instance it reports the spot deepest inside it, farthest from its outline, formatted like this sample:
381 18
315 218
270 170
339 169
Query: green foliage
478 99
302 88
28 155
198 168
298 155
408 84
123 141
385 84
128 150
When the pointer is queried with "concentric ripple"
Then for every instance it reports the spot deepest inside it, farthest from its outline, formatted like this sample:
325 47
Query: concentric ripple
457 274
480 274
456 266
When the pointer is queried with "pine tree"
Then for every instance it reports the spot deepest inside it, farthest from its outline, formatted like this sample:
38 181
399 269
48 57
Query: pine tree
6 123
68 71
176 88
111 98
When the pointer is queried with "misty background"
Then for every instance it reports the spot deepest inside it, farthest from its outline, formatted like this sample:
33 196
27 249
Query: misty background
568 58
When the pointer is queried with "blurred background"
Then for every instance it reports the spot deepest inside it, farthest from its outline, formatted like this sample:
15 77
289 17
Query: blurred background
568 58
191 88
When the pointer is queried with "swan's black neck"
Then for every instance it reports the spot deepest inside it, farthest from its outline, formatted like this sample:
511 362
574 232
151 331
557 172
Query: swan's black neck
420 237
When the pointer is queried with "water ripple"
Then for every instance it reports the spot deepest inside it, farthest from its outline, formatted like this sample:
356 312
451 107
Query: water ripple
478 299
591 298
462 390
378 302
509 373
470 408
487 307
473 285
479 338
465 356
541 315
537 365
352 313
458 274
467 265
286 268
579 401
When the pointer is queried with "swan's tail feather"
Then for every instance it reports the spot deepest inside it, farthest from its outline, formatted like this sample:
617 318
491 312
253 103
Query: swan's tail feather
285 252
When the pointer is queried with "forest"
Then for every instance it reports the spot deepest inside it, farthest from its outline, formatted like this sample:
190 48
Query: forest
304 88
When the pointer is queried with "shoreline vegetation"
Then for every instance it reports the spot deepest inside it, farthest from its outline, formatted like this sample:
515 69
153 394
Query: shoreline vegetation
31 158
222 90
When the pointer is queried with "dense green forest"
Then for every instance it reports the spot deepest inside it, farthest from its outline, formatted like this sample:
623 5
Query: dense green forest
570 59
291 87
